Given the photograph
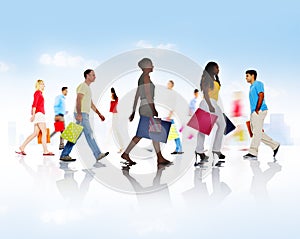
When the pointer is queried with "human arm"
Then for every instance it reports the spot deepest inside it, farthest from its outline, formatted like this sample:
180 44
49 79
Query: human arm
261 96
137 95
36 98
78 106
94 108
205 88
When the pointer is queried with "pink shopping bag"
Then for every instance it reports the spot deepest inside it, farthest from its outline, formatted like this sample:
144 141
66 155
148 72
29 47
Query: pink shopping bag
202 121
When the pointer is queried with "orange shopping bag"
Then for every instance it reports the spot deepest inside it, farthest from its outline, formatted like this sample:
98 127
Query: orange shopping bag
47 136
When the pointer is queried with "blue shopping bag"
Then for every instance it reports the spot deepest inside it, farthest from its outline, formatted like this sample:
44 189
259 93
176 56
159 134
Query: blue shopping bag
143 130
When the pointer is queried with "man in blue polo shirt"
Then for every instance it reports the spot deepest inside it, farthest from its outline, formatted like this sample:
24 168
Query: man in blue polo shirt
258 114
60 111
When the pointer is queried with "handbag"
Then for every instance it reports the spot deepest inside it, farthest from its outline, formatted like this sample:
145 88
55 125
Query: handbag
202 121
72 132
143 130
47 136
154 125
59 126
229 125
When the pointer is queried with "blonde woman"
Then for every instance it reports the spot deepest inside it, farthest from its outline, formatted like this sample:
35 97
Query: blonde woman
38 118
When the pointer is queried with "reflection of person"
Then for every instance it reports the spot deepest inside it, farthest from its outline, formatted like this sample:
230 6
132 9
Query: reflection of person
261 178
84 104
38 118
259 111
147 108
193 103
199 194
60 111
68 186
220 189
162 195
115 121
210 85
173 134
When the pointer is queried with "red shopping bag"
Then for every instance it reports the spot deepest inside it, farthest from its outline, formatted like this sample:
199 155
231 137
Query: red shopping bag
202 121
59 126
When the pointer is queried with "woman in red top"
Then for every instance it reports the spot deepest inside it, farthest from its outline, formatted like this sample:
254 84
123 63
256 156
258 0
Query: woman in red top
115 125
38 118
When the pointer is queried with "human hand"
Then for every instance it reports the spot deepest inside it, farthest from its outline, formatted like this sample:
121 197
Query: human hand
32 118
131 117
212 109
101 117
79 117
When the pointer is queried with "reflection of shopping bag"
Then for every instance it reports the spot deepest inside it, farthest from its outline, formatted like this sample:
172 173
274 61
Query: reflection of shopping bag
143 130
47 136
59 126
202 121
229 125
154 125
72 132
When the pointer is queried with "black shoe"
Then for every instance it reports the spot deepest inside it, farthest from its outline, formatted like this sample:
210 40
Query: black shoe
203 157
276 151
249 156
67 159
219 154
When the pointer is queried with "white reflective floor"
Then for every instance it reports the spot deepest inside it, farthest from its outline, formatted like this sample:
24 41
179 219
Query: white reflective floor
42 198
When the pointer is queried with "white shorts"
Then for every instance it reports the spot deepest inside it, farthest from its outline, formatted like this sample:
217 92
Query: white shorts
39 118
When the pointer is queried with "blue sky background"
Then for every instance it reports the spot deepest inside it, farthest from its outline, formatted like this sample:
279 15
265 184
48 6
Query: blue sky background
264 35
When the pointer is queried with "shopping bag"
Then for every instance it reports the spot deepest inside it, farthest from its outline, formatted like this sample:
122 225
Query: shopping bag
202 121
229 125
59 126
143 130
47 136
173 134
72 132
154 125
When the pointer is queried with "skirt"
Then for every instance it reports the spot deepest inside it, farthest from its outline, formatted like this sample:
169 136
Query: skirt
39 118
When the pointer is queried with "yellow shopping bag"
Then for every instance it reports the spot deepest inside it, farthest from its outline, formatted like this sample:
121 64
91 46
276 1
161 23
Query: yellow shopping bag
72 132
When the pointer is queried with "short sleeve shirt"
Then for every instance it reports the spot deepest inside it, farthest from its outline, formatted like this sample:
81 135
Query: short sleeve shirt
86 102
255 89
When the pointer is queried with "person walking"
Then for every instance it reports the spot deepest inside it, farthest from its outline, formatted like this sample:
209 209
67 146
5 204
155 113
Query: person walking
173 134
84 104
115 120
145 92
60 111
259 111
39 120
210 86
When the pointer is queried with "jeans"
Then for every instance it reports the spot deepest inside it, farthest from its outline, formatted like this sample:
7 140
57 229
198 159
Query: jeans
178 145
88 133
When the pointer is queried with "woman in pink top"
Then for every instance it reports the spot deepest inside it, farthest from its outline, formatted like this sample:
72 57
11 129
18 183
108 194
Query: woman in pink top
38 118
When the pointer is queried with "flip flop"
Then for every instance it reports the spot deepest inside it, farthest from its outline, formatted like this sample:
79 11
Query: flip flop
49 154
20 152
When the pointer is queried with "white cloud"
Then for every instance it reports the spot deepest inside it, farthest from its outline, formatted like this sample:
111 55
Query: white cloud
3 67
64 59
145 44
